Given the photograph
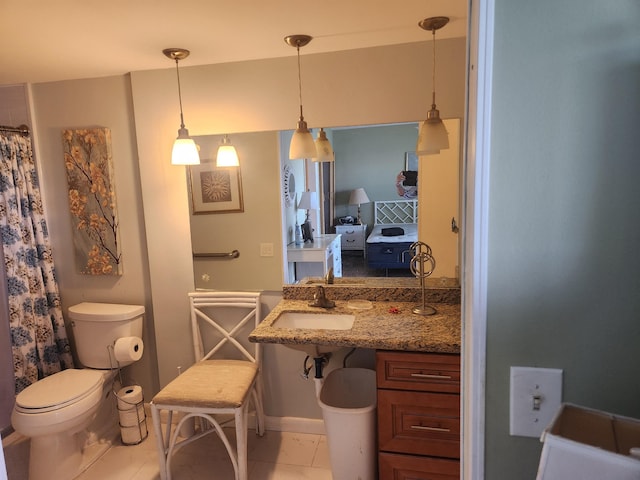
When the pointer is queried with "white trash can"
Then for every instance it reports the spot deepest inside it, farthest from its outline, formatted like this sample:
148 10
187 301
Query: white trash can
348 402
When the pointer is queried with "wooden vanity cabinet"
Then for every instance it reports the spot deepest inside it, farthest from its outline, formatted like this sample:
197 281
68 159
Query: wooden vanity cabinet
418 415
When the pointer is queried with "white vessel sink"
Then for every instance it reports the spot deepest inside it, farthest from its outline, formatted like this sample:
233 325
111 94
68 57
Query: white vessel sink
314 321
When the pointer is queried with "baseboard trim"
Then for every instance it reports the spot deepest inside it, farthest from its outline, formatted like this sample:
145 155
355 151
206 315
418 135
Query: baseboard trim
295 425
276 424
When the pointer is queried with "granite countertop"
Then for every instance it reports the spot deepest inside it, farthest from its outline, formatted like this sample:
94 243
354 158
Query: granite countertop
375 328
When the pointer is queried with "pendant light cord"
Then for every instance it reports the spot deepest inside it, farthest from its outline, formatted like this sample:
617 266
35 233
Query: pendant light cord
434 69
299 81
179 95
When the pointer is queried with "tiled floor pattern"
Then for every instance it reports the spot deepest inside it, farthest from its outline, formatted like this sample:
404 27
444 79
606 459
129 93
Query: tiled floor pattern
275 456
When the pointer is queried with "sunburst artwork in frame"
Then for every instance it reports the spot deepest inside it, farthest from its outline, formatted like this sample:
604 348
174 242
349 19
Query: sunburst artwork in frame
215 189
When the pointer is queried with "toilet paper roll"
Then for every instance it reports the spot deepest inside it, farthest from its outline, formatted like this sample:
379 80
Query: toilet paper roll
131 417
134 435
129 397
130 406
128 349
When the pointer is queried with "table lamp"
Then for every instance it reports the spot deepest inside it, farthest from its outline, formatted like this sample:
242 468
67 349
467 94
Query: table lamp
357 197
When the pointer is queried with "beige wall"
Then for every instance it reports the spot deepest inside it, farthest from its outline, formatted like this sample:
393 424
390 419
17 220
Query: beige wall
102 102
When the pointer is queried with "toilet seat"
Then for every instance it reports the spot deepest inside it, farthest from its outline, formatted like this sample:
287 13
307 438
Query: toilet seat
58 390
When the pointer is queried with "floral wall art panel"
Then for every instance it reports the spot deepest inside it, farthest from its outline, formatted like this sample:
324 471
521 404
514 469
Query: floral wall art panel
92 200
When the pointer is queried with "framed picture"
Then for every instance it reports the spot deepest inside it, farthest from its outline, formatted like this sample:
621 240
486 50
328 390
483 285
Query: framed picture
411 161
215 189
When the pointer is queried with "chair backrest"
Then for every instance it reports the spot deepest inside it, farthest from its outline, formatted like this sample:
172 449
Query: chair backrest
221 322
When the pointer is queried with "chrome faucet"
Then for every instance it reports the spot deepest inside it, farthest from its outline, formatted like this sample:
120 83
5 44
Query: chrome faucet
320 299
328 278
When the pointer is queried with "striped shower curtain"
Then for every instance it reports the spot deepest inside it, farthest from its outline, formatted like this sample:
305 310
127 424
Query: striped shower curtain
39 340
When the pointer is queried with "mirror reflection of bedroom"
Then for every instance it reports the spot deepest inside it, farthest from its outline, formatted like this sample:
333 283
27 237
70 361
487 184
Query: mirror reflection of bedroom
372 197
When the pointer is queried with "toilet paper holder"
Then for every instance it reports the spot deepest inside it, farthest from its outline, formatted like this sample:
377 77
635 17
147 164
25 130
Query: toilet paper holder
131 414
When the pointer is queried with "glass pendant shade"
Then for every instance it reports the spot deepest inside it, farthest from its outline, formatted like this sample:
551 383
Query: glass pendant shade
433 135
323 148
185 150
227 155
302 144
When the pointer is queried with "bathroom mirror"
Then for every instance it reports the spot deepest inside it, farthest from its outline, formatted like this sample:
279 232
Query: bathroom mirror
368 157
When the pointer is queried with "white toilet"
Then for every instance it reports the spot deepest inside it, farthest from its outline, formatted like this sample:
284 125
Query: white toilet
56 411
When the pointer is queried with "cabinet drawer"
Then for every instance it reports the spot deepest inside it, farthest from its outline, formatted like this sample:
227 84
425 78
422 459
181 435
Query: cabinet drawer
419 423
427 372
393 466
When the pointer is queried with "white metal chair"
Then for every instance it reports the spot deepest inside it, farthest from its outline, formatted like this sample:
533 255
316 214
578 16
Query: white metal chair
213 387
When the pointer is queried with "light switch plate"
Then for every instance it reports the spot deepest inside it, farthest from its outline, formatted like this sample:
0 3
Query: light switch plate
266 249
535 397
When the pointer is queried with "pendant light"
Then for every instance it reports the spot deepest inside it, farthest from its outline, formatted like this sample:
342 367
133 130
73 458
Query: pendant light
227 155
185 150
302 145
433 135
324 149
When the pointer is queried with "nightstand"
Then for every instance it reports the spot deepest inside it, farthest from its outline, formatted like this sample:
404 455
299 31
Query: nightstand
353 237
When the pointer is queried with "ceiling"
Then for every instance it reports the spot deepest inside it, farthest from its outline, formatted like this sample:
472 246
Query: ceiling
47 40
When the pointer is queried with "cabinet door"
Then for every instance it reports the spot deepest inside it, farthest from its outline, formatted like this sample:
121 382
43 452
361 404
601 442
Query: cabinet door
407 467
419 423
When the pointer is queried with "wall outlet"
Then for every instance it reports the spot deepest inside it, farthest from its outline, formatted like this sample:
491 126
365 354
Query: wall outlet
535 397
266 249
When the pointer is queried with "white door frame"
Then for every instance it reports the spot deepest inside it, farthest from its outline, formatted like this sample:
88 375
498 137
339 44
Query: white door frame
475 217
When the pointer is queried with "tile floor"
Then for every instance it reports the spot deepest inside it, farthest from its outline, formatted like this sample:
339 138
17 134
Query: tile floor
276 456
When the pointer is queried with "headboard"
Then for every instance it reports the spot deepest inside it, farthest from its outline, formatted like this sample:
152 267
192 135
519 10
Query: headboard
396 211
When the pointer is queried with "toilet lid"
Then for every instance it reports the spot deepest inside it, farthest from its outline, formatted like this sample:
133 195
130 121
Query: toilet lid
59 389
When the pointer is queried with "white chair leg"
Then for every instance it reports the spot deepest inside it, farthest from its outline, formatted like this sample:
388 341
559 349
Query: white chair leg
242 442
162 457
256 395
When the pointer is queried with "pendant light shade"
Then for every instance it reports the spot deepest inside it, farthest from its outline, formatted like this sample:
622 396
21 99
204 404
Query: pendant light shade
302 145
433 135
323 148
227 155
185 150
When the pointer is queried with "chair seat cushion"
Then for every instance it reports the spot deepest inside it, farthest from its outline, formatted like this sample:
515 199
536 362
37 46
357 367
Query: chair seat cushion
210 384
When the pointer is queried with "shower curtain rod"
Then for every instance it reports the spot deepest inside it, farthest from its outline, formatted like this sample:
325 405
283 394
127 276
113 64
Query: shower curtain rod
23 129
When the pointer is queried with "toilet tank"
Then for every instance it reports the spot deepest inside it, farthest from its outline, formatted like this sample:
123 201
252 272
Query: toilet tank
97 326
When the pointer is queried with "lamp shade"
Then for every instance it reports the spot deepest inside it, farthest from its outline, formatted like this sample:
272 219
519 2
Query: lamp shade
432 137
227 155
185 150
323 148
308 201
302 144
358 196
